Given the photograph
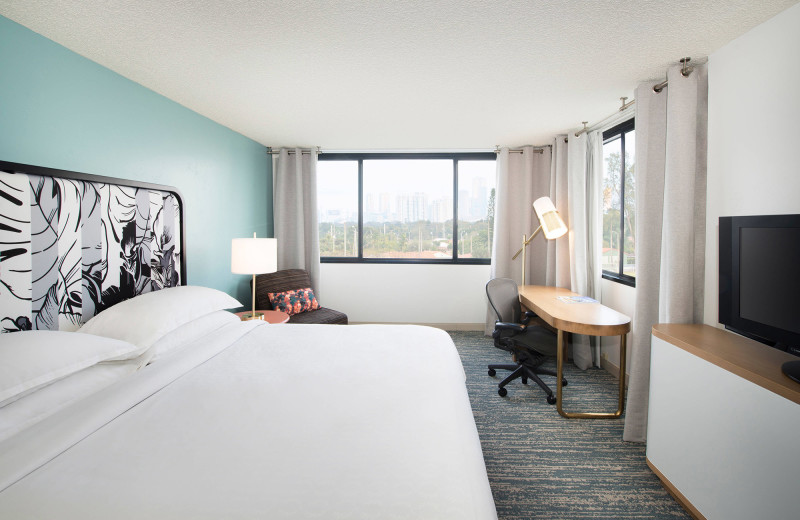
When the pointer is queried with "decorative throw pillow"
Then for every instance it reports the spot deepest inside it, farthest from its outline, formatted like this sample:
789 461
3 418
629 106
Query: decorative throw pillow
294 302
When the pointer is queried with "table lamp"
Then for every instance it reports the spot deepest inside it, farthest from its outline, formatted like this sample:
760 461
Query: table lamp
549 221
254 256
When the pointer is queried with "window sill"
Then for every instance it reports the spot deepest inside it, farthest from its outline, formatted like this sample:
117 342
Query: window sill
461 261
630 281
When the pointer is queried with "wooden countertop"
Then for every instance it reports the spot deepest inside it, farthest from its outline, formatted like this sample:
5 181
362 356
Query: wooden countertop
751 360
593 319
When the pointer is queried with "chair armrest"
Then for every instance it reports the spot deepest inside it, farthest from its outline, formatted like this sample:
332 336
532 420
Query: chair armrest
527 317
516 327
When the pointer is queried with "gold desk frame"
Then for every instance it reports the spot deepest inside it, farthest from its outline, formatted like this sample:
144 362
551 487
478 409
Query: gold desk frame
593 319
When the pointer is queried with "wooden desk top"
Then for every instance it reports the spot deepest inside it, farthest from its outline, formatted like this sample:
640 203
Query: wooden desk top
593 319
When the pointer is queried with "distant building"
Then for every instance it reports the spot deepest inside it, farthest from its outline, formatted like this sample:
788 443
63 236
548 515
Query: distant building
441 210
412 207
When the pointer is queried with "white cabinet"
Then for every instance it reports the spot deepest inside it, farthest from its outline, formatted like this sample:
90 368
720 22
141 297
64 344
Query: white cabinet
723 427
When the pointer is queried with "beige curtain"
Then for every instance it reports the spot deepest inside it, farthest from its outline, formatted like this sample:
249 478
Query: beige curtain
557 268
584 175
573 263
671 131
567 173
521 179
295 207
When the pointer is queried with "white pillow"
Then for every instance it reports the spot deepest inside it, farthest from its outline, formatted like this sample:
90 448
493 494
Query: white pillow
191 332
145 319
32 359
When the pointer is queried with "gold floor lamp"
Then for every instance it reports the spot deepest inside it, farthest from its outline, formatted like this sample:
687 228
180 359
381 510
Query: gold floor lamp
254 256
549 221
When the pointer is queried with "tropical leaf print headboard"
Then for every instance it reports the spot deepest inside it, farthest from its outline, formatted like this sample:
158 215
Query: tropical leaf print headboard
73 244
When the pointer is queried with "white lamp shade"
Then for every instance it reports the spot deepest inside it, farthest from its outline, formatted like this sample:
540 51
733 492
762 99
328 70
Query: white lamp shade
552 224
254 255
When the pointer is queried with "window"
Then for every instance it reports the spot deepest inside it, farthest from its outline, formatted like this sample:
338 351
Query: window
406 208
619 202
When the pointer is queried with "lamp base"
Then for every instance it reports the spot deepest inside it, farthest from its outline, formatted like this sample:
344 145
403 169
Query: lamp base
253 316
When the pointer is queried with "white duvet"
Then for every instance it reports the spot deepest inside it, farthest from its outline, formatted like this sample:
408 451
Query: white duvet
291 421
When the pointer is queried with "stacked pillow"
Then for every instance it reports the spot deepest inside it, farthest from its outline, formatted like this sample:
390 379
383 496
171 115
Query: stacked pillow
43 371
164 319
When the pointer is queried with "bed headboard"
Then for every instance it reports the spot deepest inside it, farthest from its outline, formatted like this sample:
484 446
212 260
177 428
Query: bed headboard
73 244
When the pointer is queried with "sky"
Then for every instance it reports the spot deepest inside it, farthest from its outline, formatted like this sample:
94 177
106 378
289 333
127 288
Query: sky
337 181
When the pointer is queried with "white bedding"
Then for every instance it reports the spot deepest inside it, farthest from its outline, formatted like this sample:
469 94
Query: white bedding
291 421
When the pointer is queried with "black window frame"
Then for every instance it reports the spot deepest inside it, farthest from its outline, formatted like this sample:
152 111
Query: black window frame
619 131
360 158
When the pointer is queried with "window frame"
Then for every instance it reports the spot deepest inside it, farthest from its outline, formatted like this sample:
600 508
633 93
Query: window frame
619 131
360 158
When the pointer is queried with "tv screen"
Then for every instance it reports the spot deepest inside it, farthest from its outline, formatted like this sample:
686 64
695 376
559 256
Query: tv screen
759 281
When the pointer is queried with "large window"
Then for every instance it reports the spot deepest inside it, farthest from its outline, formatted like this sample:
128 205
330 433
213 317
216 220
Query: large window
619 202
414 208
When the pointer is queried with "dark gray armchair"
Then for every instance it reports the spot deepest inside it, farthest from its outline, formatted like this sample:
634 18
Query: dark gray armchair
288 280
529 344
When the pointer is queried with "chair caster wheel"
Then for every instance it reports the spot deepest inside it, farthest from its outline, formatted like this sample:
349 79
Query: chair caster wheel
492 372
551 399
524 381
502 392
563 382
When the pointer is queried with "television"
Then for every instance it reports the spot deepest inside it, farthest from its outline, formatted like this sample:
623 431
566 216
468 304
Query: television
759 281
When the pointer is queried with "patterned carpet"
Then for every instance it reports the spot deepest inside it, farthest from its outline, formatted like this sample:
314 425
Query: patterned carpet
541 465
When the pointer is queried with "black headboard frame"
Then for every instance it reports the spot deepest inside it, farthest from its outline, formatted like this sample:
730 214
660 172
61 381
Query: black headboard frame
73 244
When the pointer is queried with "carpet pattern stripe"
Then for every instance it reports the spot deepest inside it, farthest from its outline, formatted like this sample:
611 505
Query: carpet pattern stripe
541 465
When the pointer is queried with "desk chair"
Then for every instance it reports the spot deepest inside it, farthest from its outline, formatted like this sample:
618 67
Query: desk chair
529 345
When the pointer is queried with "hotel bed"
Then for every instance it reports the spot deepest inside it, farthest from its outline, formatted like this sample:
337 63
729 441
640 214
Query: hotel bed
165 405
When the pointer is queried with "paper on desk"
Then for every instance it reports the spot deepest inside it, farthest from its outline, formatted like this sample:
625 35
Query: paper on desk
576 299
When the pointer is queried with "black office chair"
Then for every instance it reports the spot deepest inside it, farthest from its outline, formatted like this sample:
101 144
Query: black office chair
530 345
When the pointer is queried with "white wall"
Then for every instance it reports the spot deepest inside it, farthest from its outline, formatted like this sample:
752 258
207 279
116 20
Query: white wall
753 132
451 295
621 298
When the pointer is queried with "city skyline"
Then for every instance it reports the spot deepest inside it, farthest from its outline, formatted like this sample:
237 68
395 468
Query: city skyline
392 194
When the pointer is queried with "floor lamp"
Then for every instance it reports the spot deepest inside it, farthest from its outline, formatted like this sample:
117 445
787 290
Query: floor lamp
254 256
549 221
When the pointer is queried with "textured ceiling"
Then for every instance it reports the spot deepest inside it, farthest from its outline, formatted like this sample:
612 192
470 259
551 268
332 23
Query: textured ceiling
393 75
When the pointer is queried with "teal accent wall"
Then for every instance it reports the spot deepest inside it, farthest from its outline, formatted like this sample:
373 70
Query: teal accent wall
61 110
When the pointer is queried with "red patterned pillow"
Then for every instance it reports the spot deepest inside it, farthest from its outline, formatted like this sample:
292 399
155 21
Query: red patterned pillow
294 302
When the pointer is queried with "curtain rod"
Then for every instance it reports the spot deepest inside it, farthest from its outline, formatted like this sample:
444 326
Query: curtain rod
319 150
536 149
304 151
657 88
621 109
685 71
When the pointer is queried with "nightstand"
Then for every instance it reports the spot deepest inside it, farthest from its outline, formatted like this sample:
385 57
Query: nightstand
269 316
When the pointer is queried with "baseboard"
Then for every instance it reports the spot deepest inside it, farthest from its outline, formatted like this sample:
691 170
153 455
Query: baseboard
612 369
443 326
677 495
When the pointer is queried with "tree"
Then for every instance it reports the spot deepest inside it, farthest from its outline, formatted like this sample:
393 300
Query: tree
612 195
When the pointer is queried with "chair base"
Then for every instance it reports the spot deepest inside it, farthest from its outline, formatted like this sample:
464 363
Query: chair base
525 373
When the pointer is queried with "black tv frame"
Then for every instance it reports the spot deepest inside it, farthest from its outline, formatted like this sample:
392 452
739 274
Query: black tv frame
729 290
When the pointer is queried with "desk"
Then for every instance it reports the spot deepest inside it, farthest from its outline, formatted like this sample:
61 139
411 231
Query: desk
592 319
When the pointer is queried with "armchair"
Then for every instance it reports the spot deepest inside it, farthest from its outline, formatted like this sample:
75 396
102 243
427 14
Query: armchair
529 344
288 280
